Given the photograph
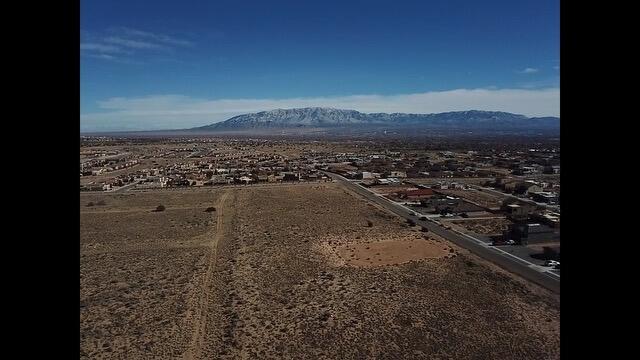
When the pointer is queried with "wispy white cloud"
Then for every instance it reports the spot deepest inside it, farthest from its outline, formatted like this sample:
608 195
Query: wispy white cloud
102 48
128 41
98 47
177 111
112 58
136 44
102 56
528 70
169 40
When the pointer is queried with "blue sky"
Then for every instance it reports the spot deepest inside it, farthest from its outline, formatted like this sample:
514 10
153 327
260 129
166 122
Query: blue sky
177 64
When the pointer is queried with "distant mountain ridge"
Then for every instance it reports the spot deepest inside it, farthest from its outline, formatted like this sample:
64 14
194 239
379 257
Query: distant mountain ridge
318 117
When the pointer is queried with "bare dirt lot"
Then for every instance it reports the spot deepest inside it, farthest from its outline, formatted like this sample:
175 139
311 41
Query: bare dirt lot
269 275
139 272
463 180
478 197
483 226
391 252
390 189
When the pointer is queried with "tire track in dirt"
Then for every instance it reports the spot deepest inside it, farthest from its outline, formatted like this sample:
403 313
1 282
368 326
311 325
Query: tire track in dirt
223 217
141 209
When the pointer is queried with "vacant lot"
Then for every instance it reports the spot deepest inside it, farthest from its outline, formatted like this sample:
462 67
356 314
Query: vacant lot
140 271
483 226
478 197
390 189
391 252
269 275
464 180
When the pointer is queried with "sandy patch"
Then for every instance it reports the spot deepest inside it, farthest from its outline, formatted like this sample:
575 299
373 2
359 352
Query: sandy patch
391 252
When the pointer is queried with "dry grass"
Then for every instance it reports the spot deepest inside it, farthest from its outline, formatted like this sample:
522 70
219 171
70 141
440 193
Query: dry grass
262 277
390 189
483 226
139 270
391 252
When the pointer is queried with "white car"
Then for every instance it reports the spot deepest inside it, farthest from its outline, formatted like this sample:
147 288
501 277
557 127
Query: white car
551 263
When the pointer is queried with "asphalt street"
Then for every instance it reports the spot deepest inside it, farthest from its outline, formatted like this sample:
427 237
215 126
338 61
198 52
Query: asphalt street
532 272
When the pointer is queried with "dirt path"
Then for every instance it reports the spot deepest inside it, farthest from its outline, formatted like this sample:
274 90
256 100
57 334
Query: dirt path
133 209
205 291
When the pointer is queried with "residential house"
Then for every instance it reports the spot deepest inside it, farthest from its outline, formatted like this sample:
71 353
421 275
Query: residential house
544 197
291 177
518 210
398 174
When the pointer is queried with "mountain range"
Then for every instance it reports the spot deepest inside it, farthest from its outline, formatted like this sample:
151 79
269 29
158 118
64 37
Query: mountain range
319 118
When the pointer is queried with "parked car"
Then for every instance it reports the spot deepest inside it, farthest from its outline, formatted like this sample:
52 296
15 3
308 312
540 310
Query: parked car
551 263
500 242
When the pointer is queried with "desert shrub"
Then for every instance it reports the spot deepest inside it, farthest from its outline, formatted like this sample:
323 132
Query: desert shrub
101 203
160 208
90 203
411 222
369 223
469 263
210 209
424 229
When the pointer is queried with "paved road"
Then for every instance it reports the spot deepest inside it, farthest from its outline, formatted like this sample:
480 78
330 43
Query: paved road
539 275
